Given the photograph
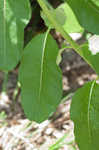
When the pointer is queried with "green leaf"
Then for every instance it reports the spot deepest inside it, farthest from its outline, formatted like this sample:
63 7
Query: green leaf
85 114
59 143
70 24
40 78
58 14
95 2
65 17
14 15
87 14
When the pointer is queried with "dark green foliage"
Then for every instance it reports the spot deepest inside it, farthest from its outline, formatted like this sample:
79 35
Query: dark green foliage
87 13
40 78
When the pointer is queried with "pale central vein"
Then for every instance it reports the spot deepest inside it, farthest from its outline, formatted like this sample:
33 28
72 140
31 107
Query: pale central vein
42 63
90 98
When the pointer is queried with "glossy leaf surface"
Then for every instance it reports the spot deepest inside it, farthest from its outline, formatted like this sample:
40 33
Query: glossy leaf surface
87 14
85 114
14 15
40 78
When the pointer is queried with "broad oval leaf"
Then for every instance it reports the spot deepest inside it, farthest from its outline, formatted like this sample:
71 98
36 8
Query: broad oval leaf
40 77
14 15
87 14
85 114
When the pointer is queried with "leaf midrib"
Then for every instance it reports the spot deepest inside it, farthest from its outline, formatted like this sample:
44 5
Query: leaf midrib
89 103
42 65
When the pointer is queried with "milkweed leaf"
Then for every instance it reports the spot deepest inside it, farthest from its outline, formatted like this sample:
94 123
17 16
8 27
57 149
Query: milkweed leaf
87 13
40 77
85 115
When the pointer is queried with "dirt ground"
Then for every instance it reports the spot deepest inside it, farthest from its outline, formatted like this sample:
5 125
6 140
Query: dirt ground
18 133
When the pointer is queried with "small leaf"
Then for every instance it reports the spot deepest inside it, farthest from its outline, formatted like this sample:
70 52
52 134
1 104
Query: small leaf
14 15
65 17
40 77
71 23
60 15
85 114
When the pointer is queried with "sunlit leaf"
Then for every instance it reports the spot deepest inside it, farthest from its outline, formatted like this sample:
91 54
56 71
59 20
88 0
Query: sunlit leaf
14 15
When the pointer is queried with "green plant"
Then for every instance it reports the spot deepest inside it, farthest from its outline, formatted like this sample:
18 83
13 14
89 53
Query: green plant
38 71
3 117
61 142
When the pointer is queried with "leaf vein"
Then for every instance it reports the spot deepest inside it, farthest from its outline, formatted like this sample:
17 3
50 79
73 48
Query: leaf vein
89 104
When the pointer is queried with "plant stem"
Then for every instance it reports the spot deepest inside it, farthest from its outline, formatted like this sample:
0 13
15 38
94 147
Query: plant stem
50 15
16 91
5 81
57 26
